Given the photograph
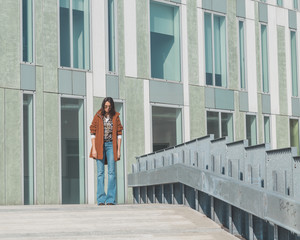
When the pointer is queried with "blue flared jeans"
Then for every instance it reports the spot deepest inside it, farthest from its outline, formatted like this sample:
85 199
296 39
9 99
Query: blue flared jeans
110 197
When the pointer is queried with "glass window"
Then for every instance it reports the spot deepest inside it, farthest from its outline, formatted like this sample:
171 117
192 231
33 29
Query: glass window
295 4
111 36
165 41
27 30
280 3
267 129
220 124
264 58
242 54
294 133
166 127
28 151
251 134
294 64
72 151
215 50
74 34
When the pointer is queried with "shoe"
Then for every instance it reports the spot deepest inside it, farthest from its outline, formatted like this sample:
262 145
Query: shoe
110 204
100 204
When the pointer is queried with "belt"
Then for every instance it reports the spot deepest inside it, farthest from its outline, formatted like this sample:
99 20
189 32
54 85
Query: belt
108 140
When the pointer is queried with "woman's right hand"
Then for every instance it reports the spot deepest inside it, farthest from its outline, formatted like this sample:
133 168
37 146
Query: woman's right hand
94 153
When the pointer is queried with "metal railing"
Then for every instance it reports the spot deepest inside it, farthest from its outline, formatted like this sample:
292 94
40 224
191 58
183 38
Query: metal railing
252 191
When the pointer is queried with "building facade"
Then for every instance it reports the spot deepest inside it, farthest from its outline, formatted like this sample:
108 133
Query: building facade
177 70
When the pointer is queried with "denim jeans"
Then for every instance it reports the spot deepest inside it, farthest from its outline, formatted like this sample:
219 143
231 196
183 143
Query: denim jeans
110 197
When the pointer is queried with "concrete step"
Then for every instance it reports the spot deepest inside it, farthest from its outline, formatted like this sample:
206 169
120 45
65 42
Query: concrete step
138 221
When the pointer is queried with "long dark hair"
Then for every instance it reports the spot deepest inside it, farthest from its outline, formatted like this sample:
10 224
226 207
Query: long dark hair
112 111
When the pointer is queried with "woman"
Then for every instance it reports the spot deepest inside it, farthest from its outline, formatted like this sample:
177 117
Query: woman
106 133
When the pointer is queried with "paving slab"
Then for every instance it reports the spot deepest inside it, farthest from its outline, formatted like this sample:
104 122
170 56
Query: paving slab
136 221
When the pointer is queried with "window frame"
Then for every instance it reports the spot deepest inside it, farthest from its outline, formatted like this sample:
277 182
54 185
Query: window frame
245 54
270 125
173 4
220 121
294 118
33 33
90 52
152 104
26 92
213 48
256 127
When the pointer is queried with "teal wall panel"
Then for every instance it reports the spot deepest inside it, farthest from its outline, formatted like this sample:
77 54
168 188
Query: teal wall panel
282 70
240 8
295 107
10 44
263 12
39 127
13 148
193 56
210 98
244 106
142 38
165 92
65 81
207 4
2 154
79 85
112 86
51 148
219 6
224 99
293 19
28 77
266 103
176 1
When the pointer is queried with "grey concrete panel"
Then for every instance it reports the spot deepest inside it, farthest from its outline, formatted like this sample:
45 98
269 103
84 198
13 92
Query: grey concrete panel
51 148
240 8
166 92
28 77
224 99
266 103
207 4
39 126
263 12
65 81
210 98
219 6
112 86
13 148
296 106
293 19
2 154
244 105
79 83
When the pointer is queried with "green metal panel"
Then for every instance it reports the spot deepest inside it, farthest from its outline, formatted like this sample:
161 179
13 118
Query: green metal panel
240 8
295 107
224 99
50 45
207 4
39 127
27 77
10 44
193 56
12 148
210 98
282 131
263 12
165 92
282 70
197 111
293 19
266 104
51 149
219 6
244 101
112 86
65 81
142 38
79 87
2 154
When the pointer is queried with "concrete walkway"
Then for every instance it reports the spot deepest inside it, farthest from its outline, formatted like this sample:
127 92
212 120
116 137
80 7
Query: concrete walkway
145 221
